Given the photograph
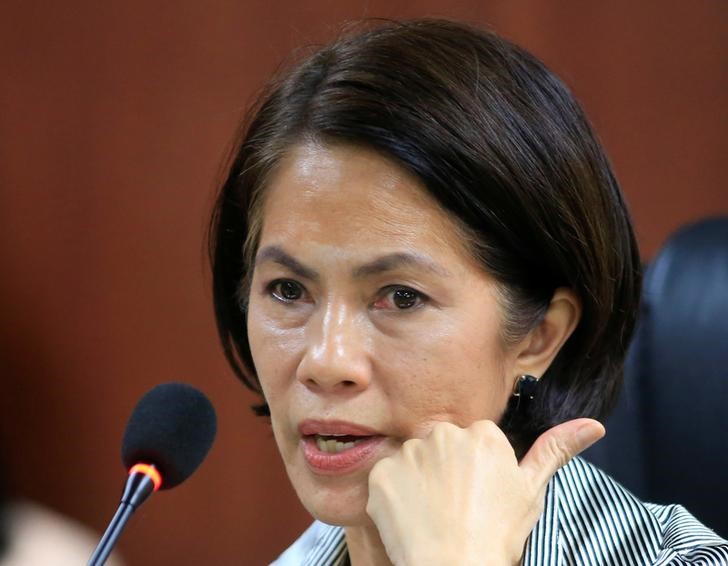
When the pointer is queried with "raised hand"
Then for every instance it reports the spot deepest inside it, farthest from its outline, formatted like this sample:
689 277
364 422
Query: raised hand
460 496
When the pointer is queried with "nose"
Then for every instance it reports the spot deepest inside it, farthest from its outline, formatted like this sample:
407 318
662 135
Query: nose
335 359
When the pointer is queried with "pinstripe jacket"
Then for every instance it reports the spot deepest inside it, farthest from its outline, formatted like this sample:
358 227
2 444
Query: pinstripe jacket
588 518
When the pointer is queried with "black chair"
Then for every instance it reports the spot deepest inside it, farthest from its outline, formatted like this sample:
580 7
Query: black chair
667 440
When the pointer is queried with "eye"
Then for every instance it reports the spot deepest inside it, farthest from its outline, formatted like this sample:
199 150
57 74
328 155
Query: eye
402 298
285 290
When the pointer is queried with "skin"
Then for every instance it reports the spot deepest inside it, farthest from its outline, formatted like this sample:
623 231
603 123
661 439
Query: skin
348 239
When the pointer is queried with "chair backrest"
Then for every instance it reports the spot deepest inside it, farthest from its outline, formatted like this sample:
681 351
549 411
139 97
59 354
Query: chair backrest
667 440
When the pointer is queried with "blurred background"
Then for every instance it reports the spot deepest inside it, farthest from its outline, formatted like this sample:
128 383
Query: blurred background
115 118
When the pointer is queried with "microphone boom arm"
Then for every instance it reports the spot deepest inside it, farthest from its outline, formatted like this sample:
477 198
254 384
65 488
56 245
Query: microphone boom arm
139 486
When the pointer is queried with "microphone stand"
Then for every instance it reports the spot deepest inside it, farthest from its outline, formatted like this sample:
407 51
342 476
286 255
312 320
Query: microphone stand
139 486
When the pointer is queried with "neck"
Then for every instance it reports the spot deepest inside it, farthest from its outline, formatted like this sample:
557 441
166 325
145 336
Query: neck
365 547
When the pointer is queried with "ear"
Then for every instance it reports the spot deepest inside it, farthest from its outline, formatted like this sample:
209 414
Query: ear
540 346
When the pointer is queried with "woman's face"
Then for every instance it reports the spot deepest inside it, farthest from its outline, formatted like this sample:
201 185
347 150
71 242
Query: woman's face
368 322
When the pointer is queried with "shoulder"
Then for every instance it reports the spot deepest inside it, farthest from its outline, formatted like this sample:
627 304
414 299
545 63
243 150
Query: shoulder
685 539
601 522
320 544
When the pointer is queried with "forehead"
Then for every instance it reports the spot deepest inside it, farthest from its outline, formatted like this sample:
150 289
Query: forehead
352 197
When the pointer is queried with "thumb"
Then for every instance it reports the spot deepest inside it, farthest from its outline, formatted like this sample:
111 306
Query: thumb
555 447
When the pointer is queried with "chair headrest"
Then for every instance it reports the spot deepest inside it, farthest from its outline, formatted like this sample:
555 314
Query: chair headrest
686 299
682 355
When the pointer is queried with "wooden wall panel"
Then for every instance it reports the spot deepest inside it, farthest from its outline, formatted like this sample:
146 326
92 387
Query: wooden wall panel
114 117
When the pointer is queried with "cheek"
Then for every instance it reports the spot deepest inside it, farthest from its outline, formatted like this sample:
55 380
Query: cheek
275 351
454 374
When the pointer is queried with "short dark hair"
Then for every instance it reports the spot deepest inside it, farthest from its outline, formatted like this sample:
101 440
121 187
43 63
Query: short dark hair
502 145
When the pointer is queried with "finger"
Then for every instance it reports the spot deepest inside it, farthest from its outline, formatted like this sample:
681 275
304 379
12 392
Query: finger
555 447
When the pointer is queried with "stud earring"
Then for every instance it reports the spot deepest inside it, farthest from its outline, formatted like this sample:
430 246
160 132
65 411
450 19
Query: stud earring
525 386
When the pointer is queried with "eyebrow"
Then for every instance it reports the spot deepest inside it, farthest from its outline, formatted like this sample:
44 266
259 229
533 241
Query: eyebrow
382 264
390 262
277 255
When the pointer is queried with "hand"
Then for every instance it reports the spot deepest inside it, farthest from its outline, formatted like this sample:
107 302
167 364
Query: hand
461 497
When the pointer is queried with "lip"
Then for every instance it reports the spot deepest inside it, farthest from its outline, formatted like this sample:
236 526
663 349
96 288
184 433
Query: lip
336 463
309 427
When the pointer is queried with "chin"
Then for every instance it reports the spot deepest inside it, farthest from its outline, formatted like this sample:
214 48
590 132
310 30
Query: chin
334 501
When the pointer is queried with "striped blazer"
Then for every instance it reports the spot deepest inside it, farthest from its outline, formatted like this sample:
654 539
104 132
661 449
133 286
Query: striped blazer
588 518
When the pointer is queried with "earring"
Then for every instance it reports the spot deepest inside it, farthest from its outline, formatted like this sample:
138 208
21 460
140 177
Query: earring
525 386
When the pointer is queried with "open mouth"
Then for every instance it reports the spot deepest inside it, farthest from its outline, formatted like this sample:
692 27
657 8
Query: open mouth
336 447
335 443
339 453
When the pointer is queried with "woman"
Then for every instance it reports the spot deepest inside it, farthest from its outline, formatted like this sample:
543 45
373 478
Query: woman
423 263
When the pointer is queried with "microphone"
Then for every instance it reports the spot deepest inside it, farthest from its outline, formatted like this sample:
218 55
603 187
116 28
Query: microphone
168 435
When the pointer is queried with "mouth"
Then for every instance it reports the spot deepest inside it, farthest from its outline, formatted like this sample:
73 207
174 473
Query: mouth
336 447
336 443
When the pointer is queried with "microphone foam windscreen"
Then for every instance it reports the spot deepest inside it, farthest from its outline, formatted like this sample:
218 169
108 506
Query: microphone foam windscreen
172 427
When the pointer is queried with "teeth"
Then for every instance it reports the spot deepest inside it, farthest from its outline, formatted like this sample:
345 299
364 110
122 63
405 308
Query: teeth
333 446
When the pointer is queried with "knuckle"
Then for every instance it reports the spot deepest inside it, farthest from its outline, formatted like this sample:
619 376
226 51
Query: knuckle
442 428
488 430
485 427
410 446
558 450
443 434
373 508
379 472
